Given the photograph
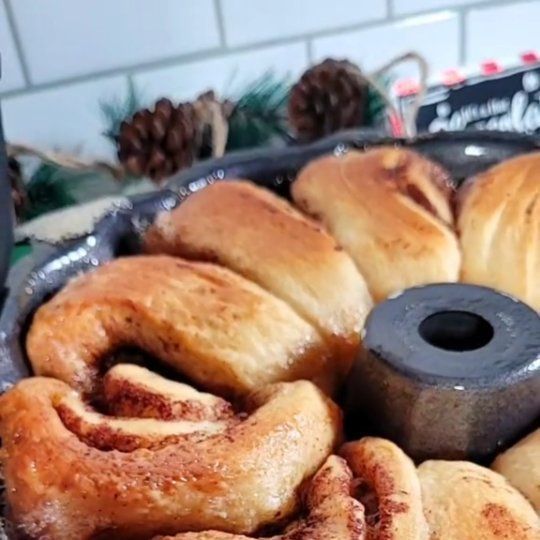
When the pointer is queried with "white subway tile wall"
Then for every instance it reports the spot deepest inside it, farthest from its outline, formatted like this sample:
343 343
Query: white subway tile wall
60 58
67 118
227 75
260 20
373 46
502 30
63 38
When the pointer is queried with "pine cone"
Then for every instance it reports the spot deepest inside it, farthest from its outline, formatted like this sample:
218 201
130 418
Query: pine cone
159 142
328 97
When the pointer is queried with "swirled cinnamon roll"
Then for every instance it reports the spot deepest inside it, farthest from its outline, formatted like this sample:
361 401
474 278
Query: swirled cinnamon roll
217 328
520 465
499 228
390 210
332 513
463 501
375 471
186 462
261 236
388 486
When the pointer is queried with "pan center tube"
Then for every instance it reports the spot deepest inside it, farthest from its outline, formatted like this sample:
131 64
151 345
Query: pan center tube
456 331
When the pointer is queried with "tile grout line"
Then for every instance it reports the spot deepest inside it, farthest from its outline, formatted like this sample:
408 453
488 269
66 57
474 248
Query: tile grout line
130 70
220 23
389 9
177 60
18 44
203 54
309 50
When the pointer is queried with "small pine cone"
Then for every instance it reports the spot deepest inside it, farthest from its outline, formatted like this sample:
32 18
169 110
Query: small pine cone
159 142
329 97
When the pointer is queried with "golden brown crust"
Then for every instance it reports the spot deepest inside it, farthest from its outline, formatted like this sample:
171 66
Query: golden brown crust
393 513
234 475
499 228
332 513
520 465
387 479
261 236
132 391
390 209
217 328
463 501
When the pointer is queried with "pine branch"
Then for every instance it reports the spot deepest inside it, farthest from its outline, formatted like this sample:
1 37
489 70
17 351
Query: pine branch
259 113
116 110
375 105
45 193
52 187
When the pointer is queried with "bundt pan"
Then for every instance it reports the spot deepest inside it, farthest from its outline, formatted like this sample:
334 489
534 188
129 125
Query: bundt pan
448 399
448 371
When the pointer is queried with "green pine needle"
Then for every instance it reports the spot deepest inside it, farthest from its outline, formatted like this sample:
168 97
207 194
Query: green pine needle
52 187
375 106
45 192
259 114
116 110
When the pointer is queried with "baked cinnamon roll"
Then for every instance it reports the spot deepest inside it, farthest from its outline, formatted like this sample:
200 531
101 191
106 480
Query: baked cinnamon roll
187 463
499 228
332 513
520 465
261 236
388 507
220 330
463 501
388 486
390 210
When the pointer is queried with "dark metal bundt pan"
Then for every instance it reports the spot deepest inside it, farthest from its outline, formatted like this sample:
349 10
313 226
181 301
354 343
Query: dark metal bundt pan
464 154
448 371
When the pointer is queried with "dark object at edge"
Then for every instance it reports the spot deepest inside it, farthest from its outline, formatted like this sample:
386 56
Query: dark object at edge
6 217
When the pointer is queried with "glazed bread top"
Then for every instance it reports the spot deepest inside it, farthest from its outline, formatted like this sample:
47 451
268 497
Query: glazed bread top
520 465
463 501
499 228
332 513
261 236
371 494
217 328
390 209
188 463
389 488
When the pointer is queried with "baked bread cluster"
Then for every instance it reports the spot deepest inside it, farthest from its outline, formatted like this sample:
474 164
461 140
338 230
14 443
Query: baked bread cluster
254 308
160 458
392 211
266 240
